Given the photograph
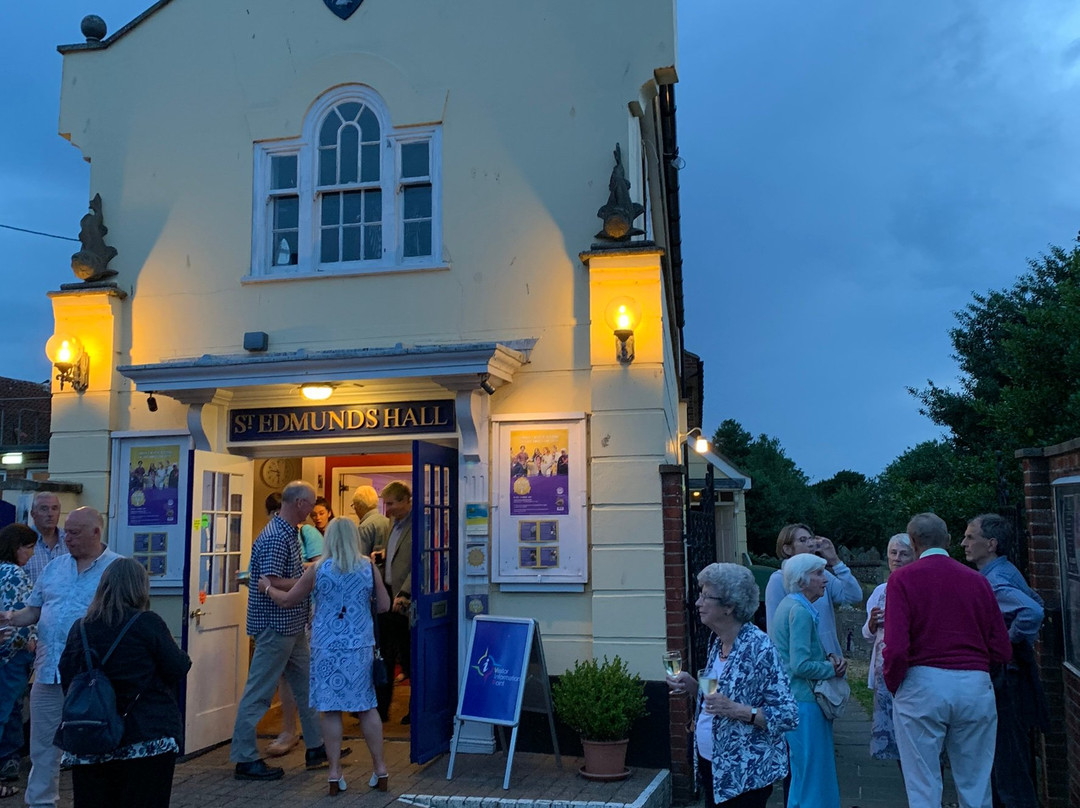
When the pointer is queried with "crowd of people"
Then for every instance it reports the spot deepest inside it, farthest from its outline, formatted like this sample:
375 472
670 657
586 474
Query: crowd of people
952 671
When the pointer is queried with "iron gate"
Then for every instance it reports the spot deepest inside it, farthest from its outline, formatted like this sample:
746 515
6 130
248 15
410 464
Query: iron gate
700 552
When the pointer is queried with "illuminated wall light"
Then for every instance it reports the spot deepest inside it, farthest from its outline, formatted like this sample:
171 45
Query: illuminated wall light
622 316
316 392
71 361
12 459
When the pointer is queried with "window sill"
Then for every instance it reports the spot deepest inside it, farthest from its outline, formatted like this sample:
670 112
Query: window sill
345 273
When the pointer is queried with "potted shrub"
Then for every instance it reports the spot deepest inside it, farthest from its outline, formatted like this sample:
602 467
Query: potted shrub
601 701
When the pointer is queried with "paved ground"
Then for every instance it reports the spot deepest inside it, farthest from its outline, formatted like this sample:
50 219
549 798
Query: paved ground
535 780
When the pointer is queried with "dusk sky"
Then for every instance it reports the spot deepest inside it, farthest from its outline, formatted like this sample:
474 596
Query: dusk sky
854 171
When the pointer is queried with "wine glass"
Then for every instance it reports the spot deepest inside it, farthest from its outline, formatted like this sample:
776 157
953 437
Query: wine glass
673 662
706 682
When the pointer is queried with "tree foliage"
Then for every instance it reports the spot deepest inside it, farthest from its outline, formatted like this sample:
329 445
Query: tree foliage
1019 356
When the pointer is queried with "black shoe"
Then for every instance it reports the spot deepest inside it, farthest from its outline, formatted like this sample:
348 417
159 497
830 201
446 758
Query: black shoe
258 770
405 719
9 772
316 758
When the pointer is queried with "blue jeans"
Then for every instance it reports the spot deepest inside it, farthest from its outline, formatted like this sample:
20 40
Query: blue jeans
14 678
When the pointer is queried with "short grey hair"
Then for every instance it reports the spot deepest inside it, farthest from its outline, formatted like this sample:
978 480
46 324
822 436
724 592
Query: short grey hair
733 586
797 569
928 530
900 538
298 489
367 496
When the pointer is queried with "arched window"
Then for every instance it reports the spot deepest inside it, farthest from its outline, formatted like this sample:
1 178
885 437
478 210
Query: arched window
352 194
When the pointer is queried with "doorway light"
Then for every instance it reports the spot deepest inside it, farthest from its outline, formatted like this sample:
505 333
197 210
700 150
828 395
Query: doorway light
316 391
12 459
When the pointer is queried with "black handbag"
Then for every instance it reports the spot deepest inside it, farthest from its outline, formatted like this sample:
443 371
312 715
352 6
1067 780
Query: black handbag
379 676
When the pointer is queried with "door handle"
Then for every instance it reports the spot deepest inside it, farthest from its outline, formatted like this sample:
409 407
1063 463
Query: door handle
412 614
197 616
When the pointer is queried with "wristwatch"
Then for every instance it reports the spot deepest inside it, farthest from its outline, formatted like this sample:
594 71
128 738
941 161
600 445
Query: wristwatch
753 714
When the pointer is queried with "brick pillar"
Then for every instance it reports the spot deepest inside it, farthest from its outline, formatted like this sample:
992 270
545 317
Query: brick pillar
682 769
1052 751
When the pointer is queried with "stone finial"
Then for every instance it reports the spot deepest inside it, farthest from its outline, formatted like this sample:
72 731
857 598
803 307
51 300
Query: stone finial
620 211
93 28
91 263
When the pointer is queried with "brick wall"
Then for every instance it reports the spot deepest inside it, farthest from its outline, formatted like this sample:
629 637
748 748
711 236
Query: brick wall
682 771
1058 752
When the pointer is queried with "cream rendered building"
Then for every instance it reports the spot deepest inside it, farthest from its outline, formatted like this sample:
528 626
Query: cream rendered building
401 205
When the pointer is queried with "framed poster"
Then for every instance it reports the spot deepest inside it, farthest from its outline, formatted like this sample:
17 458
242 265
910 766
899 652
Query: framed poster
147 516
538 520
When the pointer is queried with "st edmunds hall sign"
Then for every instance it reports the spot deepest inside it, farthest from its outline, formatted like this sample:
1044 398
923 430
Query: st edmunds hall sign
360 420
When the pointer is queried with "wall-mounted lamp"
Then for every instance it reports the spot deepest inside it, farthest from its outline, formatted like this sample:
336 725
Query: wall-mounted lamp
12 459
151 402
622 316
71 361
485 385
316 391
697 440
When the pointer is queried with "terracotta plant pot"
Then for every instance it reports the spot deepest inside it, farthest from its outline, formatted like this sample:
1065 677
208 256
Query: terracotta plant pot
604 760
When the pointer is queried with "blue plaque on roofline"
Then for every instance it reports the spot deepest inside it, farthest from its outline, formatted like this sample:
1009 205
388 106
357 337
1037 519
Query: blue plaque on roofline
341 421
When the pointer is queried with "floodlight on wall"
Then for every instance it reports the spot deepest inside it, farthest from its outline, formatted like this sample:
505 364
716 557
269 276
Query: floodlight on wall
622 316
151 402
71 361
698 441
485 385
12 459
316 391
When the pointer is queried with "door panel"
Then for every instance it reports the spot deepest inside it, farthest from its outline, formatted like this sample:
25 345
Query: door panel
215 635
435 605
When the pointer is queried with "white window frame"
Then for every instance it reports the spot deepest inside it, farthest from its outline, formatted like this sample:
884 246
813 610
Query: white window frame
306 150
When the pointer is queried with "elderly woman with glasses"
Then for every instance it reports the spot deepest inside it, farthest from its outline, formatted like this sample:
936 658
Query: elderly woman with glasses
794 629
882 734
744 702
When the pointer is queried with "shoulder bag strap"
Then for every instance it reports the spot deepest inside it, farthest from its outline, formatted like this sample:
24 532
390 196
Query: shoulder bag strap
85 644
119 637
374 605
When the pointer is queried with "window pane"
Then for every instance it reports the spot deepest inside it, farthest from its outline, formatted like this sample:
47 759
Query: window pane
372 206
285 251
417 239
350 145
327 166
370 167
414 159
373 242
286 212
234 534
369 125
328 253
350 244
331 209
348 110
231 584
352 203
283 172
418 202
328 133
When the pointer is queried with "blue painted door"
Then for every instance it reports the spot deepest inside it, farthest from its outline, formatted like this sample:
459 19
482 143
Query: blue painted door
435 601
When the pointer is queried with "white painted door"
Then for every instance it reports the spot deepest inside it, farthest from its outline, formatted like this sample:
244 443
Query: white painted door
215 604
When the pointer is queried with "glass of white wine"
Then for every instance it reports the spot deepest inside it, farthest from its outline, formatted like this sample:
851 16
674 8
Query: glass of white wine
673 662
706 682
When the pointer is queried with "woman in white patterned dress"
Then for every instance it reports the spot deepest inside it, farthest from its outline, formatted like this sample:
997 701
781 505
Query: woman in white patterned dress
342 643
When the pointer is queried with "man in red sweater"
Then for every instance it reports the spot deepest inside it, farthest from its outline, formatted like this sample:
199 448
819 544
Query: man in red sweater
943 631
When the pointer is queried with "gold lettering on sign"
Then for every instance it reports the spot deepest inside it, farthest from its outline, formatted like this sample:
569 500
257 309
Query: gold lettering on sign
299 424
371 418
264 422
356 419
318 421
281 422
410 418
337 417
392 417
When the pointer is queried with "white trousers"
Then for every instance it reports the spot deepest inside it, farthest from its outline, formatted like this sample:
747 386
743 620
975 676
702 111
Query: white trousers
955 709
46 707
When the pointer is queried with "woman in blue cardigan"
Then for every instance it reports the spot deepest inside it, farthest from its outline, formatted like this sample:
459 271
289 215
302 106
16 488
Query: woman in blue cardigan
794 629
739 735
